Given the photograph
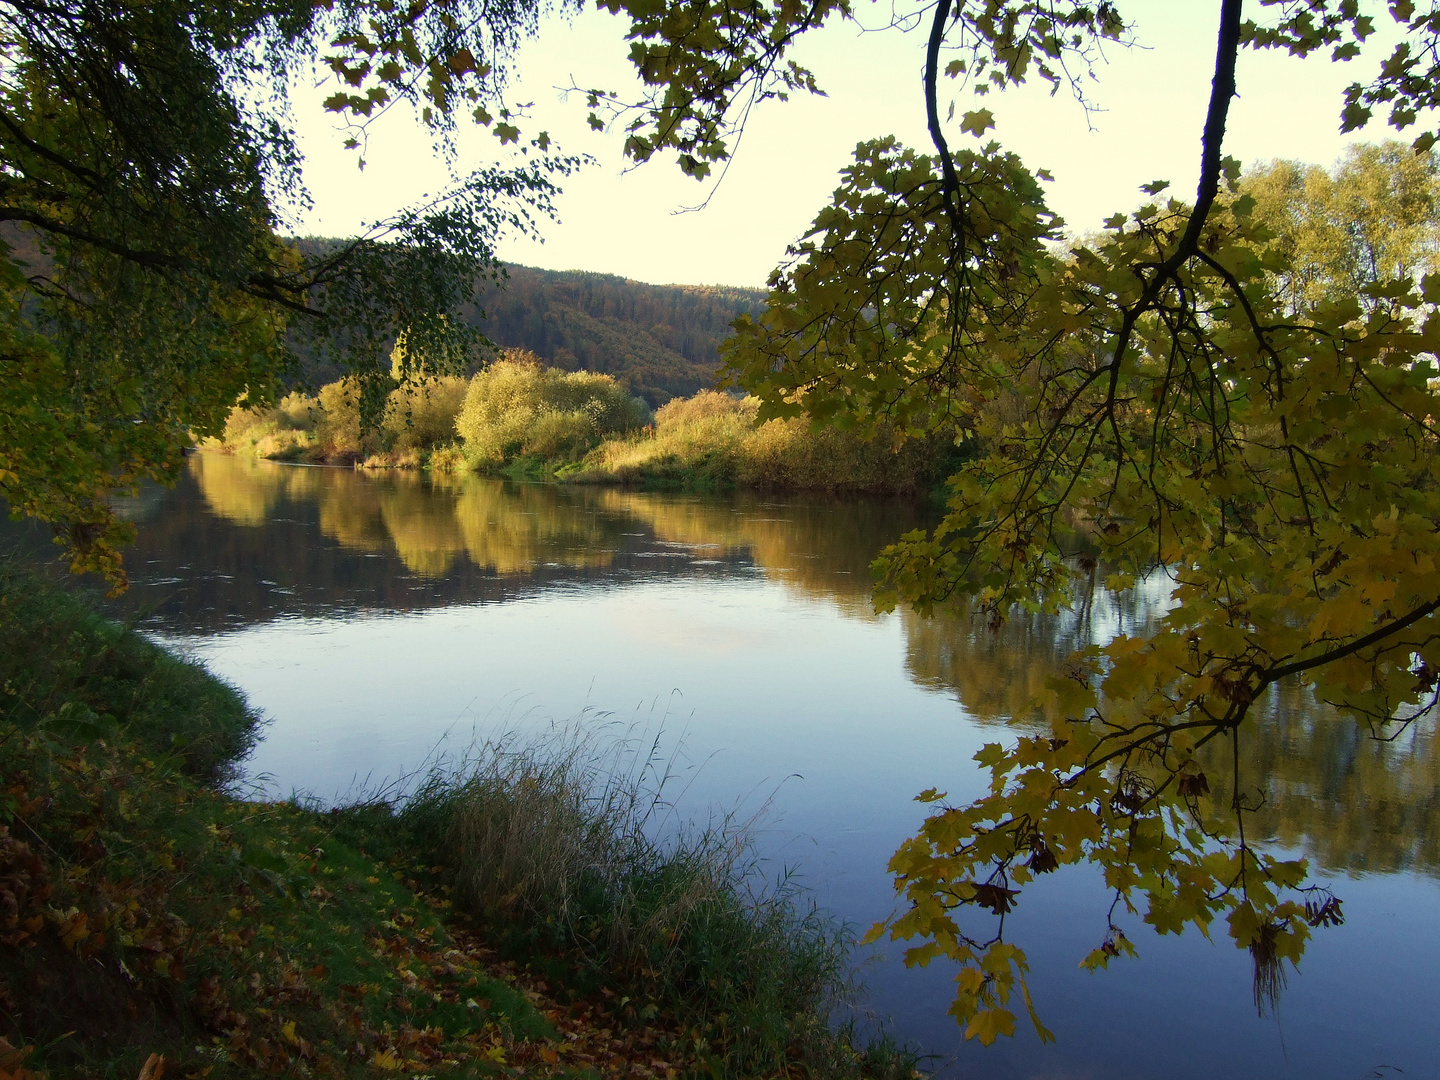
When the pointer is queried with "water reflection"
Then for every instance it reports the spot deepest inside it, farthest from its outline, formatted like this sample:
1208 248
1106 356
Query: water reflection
820 547
1352 802
284 540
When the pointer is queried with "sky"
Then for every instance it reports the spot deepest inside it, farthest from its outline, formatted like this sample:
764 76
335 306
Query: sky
618 219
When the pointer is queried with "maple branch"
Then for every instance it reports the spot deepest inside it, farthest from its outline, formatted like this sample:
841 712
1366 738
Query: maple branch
1375 636
1222 89
950 182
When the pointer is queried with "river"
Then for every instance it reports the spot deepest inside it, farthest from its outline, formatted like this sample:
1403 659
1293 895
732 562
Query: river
380 623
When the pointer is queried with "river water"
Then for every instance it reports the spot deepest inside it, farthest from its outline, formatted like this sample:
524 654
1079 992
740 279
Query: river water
382 622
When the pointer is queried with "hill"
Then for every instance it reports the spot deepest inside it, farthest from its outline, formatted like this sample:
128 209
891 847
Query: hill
660 341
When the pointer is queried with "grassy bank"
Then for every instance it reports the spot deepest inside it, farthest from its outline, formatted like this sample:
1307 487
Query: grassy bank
512 918
523 421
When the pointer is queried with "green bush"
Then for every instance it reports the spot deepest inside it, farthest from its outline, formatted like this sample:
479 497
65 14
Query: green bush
519 408
338 430
284 432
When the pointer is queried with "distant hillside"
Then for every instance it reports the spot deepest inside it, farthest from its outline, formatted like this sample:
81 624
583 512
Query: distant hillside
658 340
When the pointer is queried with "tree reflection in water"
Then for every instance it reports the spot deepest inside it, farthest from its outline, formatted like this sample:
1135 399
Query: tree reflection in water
1352 803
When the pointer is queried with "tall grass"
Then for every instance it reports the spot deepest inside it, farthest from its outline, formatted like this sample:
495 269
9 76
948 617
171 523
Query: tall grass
571 841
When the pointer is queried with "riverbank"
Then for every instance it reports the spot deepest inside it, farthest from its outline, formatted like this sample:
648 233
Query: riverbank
510 919
522 421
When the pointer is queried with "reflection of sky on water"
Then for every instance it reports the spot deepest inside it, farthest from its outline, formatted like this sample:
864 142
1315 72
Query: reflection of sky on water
742 630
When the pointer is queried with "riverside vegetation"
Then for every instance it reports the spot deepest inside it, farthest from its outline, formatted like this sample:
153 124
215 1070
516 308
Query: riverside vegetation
524 420
513 916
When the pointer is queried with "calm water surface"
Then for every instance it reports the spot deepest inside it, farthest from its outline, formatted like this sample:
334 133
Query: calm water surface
380 622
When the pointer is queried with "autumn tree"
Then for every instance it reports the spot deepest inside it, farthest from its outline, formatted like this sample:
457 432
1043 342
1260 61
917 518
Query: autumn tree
1200 392
1376 217
148 172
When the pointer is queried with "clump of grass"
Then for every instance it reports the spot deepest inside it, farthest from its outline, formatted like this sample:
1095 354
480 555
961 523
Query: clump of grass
570 842
149 912
448 458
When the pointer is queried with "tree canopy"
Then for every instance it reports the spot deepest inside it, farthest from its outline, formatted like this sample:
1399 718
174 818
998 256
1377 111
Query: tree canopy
149 173
1233 393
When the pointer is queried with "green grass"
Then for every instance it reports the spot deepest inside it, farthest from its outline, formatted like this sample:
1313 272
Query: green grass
64 667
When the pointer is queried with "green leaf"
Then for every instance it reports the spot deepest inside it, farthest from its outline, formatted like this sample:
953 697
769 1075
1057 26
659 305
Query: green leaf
977 122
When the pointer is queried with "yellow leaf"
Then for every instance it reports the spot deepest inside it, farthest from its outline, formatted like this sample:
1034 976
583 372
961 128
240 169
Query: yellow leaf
386 1059
970 980
989 1025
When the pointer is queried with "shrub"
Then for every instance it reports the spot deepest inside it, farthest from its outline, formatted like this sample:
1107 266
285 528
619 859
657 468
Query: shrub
711 441
282 432
706 406
449 458
338 430
518 408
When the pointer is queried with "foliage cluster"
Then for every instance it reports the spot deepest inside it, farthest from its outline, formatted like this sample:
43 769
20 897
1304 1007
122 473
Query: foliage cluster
514 410
714 441
1374 216
1174 385
517 408
328 428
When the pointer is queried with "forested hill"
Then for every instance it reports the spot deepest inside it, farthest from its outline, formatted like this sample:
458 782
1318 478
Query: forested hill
659 340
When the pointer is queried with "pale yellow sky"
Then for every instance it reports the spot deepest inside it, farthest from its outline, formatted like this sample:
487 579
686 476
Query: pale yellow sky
631 221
